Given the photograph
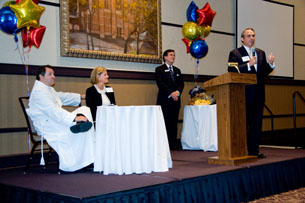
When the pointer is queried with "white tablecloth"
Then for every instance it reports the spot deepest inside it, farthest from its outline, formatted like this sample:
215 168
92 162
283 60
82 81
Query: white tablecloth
131 139
199 130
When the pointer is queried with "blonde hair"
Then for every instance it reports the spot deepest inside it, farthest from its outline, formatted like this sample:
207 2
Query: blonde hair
95 72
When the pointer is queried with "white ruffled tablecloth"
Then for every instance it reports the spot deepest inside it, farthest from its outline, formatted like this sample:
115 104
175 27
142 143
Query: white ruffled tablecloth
199 130
131 139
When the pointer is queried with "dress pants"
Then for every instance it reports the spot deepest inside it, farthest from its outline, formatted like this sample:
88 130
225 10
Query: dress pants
254 117
171 112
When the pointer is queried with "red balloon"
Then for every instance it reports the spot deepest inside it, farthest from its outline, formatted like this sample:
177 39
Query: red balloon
35 1
206 15
187 44
33 36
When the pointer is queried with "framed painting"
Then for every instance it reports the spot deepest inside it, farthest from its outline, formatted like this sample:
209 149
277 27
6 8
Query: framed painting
125 30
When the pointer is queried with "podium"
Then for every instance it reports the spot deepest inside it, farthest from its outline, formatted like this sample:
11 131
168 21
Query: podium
231 117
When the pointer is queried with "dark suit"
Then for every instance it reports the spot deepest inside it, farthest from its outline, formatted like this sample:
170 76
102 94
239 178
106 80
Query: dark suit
94 99
255 94
170 108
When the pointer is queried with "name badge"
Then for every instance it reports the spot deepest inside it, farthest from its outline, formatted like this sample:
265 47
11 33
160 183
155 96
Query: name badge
109 89
166 70
245 58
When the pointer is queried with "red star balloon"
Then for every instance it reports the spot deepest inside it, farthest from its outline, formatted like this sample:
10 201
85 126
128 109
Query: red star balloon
35 1
206 15
187 44
33 36
28 14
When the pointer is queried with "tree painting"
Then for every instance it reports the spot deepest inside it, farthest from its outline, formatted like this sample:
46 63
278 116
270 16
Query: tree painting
119 26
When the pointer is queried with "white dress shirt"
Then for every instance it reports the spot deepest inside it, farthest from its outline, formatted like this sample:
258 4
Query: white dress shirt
105 99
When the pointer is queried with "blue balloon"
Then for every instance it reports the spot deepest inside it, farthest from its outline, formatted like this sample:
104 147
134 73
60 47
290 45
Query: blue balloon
8 20
199 49
191 14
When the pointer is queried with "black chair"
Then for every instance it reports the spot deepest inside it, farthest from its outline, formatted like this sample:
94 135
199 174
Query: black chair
35 139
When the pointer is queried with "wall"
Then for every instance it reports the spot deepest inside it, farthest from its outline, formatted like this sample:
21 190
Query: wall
219 44
221 40
143 91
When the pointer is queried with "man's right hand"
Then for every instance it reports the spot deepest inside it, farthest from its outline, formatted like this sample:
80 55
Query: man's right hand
252 61
174 95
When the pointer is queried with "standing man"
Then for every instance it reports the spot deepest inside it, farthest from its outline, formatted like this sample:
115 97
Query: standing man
70 134
170 84
253 60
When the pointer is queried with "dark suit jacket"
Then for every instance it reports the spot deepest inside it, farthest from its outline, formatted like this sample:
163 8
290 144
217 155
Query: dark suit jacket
254 93
94 99
165 83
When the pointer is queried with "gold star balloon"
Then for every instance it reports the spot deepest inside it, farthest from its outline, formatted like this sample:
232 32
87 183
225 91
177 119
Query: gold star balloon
28 14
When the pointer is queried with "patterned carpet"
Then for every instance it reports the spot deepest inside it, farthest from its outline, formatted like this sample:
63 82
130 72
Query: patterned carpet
293 196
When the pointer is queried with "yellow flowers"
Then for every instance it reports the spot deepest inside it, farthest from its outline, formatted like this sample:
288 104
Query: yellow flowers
198 102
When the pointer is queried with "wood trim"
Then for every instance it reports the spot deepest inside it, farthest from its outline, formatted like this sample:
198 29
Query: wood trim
13 130
284 115
18 69
24 129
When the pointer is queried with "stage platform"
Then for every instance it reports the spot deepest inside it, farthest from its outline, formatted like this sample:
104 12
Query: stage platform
191 179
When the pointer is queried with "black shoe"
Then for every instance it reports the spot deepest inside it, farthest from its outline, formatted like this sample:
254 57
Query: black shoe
261 155
178 147
81 127
89 167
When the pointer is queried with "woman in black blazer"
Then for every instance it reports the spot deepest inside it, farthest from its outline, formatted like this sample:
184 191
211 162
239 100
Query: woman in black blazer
99 94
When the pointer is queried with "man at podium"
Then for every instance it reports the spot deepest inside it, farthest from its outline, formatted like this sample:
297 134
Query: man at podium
252 60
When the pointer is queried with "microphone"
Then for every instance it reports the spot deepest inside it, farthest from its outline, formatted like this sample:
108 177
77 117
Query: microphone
253 55
253 52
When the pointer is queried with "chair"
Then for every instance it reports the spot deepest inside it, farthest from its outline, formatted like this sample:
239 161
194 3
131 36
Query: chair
35 139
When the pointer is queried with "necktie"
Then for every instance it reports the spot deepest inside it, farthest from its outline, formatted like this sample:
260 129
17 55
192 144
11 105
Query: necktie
171 72
253 69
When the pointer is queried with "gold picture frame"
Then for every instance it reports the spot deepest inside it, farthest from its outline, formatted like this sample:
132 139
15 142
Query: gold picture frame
125 30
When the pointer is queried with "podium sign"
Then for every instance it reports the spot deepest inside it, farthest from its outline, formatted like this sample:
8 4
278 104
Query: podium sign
231 117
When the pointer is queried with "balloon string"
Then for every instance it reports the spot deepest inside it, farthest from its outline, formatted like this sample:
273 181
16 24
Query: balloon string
21 55
27 80
26 68
196 70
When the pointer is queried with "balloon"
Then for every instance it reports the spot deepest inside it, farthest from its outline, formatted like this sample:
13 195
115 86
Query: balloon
206 15
190 30
35 1
33 36
196 90
199 48
187 44
28 14
8 20
204 30
191 14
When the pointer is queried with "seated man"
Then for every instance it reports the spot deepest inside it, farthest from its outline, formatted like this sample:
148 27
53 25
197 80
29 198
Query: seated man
70 134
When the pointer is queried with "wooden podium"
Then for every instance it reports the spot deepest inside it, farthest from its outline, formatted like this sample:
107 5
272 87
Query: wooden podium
231 117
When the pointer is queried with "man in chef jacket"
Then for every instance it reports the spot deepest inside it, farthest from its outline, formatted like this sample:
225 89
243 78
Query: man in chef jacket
70 134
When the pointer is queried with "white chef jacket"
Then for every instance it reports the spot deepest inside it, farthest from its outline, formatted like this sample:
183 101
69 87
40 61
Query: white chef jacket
52 122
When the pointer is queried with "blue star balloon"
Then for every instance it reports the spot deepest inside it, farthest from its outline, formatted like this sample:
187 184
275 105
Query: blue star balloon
191 12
